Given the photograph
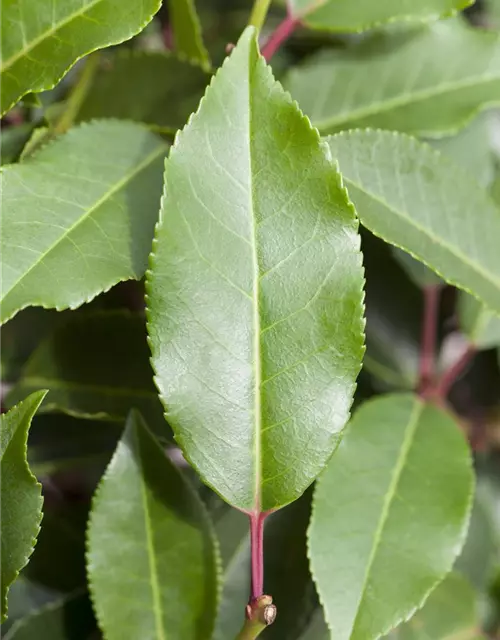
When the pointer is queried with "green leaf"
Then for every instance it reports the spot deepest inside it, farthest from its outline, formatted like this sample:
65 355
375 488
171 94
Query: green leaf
417 271
78 216
160 89
471 149
429 80
59 442
414 198
68 617
149 525
390 515
41 41
254 299
96 365
187 31
316 628
448 614
13 140
21 493
478 323
286 572
360 15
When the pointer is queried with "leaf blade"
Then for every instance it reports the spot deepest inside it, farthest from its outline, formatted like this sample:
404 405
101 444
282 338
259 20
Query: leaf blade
181 568
431 212
22 496
41 42
187 32
239 417
378 583
92 194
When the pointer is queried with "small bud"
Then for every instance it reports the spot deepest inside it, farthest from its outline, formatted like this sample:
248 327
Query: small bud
270 614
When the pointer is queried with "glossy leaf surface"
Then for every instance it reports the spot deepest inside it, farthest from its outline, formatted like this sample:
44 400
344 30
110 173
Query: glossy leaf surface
96 365
414 198
429 80
186 28
390 515
255 291
150 526
165 92
478 323
78 216
42 40
21 493
448 614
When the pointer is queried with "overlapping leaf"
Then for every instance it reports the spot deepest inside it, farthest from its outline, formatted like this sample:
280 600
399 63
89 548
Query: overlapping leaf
21 493
428 80
41 40
186 28
414 198
478 323
78 216
255 291
150 527
390 515
358 15
96 365
165 91
448 614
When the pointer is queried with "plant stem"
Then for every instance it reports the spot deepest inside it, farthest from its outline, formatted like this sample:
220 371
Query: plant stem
282 32
450 375
257 552
77 95
260 613
429 334
259 13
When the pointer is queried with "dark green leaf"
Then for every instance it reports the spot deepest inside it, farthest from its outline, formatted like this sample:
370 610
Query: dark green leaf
13 140
59 442
414 198
160 89
187 31
152 561
96 365
68 617
42 40
478 323
21 493
429 80
390 515
78 216
417 271
286 572
448 614
254 298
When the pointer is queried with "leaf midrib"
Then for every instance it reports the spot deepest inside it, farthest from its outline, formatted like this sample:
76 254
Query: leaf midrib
437 240
48 33
108 194
411 429
403 101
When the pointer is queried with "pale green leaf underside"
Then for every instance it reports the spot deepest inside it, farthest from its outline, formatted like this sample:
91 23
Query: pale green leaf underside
255 291
414 198
186 28
151 557
429 80
78 216
390 515
478 323
41 40
21 504
358 15
96 365
448 614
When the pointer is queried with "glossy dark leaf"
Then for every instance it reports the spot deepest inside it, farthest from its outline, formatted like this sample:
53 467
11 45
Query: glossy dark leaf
254 299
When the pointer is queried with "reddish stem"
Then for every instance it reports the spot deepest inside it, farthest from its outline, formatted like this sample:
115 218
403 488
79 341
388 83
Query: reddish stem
282 32
429 337
257 550
450 375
